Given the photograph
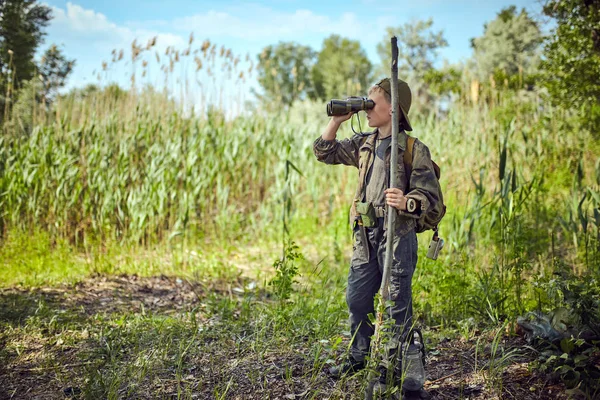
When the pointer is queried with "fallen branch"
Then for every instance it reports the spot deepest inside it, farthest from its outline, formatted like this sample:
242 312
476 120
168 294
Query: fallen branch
442 378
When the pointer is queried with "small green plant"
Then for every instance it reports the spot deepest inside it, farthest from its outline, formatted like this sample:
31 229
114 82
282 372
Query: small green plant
467 328
286 271
499 359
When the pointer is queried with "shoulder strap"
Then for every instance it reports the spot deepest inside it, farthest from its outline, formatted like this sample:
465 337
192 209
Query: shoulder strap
408 153
408 158
364 161
363 165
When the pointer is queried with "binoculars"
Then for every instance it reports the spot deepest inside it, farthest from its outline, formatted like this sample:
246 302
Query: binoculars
351 104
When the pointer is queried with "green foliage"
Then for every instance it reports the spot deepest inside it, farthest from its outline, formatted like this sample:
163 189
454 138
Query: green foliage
576 303
581 220
29 258
418 46
342 69
145 190
106 168
580 296
574 364
95 94
444 82
510 43
28 107
54 69
34 96
572 57
286 271
513 82
21 32
115 170
284 72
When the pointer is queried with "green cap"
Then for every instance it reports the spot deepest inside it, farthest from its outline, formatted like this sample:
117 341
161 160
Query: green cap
404 97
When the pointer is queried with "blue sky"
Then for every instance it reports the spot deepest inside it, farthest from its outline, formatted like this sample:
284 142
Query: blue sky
88 30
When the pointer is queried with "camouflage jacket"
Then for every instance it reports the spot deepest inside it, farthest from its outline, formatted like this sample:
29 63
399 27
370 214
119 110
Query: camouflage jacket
359 149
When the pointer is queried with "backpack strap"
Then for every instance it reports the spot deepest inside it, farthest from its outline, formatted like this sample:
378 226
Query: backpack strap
408 154
364 161
408 157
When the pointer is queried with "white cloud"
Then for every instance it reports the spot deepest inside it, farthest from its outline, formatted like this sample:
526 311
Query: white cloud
76 24
253 25
90 36
258 23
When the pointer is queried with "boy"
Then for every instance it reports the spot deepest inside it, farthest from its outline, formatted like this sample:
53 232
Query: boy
416 193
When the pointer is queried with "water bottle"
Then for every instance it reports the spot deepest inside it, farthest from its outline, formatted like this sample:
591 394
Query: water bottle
413 360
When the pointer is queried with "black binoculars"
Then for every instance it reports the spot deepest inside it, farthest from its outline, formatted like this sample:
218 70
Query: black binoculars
351 104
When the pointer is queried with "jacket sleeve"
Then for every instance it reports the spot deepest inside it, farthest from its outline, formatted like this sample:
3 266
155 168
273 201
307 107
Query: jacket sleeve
423 182
345 151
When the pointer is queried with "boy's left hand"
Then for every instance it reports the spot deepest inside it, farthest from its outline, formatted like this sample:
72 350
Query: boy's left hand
395 197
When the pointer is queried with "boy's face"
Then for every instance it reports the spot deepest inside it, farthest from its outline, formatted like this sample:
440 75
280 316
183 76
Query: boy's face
381 114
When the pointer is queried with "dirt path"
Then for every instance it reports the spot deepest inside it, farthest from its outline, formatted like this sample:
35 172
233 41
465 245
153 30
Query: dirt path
42 359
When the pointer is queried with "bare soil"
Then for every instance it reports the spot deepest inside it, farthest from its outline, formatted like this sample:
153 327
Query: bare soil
37 366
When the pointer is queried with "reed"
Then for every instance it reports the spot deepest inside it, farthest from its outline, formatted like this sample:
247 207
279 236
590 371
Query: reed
143 166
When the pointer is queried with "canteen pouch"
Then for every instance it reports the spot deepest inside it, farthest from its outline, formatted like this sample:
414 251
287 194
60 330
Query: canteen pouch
367 214
435 246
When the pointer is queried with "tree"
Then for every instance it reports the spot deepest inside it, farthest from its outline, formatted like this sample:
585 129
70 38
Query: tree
445 82
21 31
26 110
284 72
342 69
510 44
418 46
571 68
54 69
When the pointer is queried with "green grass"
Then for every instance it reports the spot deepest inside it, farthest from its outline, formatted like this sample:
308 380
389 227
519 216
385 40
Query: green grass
130 187
118 338
141 191
171 337
31 259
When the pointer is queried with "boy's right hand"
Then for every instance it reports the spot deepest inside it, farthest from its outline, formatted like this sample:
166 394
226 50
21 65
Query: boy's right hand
338 119
331 129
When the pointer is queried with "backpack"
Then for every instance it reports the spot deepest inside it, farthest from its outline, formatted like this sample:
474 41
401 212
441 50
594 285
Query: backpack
432 218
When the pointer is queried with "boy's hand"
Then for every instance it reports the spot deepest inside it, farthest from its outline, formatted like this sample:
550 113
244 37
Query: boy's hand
338 119
395 197
332 127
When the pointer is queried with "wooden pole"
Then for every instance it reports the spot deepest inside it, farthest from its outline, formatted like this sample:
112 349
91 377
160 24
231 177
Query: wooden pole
384 290
391 211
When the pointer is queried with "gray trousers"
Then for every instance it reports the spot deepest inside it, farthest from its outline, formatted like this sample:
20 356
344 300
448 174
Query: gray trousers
364 281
